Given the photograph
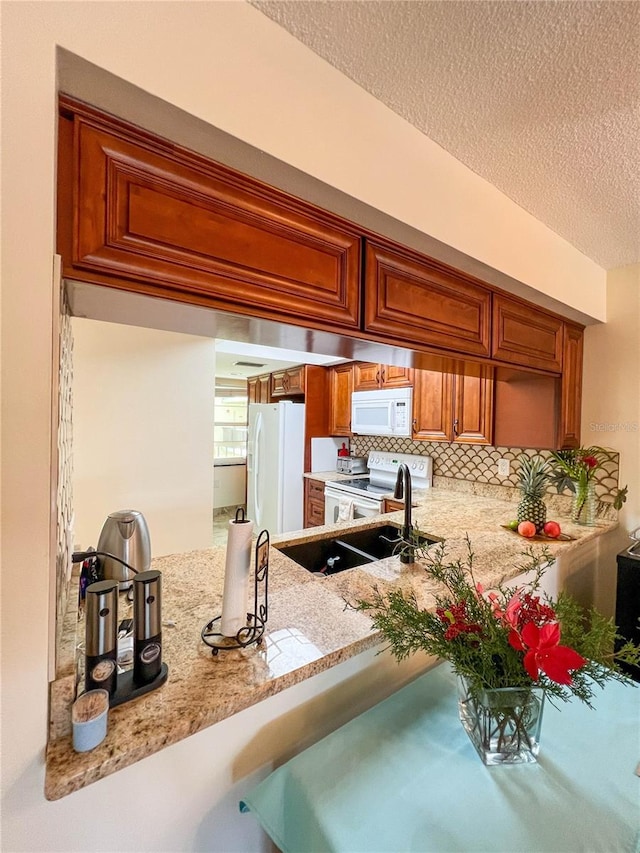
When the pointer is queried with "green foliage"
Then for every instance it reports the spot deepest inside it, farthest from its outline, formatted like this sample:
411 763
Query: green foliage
620 498
481 651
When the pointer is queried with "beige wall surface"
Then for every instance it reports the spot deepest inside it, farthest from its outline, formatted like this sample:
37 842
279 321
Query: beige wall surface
230 66
611 407
143 432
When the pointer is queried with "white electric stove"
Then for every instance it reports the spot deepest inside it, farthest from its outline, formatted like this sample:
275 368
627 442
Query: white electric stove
363 496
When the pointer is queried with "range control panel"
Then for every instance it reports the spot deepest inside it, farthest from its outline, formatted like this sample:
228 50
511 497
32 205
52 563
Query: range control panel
383 468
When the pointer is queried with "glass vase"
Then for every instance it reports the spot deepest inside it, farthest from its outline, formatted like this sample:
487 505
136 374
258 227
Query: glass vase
583 508
503 724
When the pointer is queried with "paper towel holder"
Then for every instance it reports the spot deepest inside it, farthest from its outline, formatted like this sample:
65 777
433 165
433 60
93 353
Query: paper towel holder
253 631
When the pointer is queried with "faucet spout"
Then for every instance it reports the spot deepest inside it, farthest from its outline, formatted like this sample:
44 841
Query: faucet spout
403 490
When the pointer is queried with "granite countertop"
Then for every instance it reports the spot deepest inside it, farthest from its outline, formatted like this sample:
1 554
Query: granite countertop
308 630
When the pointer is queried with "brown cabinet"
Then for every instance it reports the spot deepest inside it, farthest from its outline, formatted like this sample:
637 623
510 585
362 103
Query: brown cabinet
340 390
392 505
313 503
140 213
153 217
369 377
414 299
571 387
453 407
526 335
259 389
288 383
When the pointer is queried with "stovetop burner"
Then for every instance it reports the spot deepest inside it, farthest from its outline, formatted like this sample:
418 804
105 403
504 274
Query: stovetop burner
363 484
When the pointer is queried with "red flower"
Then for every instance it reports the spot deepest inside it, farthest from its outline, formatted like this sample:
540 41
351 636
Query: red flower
590 461
543 652
456 618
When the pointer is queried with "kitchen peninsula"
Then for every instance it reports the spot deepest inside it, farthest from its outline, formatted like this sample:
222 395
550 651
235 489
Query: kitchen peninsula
308 631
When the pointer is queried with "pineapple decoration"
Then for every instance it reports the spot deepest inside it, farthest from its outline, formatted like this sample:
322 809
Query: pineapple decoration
533 479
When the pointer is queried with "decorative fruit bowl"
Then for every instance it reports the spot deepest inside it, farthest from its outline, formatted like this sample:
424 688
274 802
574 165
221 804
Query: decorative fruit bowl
540 537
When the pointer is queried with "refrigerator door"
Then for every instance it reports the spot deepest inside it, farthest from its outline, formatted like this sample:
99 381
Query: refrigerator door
275 461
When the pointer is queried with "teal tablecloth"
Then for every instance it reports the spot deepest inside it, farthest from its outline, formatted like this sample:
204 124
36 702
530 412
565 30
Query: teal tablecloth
404 777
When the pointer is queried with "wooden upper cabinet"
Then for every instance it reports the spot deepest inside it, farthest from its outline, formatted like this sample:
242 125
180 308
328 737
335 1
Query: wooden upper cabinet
370 377
340 390
526 335
408 297
288 383
453 406
571 387
473 408
264 388
146 215
432 406
259 389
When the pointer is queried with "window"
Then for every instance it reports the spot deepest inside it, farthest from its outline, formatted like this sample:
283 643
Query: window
230 425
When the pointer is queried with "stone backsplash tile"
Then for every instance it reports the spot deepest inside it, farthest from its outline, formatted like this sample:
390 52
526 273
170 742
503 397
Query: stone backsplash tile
64 523
478 464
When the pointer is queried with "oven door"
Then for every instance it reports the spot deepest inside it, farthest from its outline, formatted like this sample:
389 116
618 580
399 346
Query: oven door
352 505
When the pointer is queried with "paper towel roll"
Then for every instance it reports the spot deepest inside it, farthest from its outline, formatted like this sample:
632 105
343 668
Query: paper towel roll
236 577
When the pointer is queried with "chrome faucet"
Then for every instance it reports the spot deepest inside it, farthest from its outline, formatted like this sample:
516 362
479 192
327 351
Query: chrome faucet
403 490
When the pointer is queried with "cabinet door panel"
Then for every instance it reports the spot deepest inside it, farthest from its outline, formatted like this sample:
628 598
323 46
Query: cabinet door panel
313 503
395 377
432 406
409 298
158 218
341 378
473 410
571 387
264 389
279 383
252 391
527 336
366 377
295 380
287 383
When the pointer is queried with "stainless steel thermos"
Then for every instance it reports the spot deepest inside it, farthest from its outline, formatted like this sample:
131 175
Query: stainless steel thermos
101 639
147 627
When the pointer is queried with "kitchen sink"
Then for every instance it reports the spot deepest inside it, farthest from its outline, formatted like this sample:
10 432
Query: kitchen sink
340 551
326 556
375 540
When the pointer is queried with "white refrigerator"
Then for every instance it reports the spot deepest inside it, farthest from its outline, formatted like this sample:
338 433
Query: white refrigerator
275 463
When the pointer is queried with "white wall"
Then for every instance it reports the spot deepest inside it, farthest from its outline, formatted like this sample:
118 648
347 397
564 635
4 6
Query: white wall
143 432
232 67
611 408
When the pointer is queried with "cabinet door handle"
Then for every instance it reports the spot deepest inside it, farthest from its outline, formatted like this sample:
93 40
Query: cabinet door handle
382 375
455 427
378 377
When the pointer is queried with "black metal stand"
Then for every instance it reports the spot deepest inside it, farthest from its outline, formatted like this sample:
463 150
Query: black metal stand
256 622
127 689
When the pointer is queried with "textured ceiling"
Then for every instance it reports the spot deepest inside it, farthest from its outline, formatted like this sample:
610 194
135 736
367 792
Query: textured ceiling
540 98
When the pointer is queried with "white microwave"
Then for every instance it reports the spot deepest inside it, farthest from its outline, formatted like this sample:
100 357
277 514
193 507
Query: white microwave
383 412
